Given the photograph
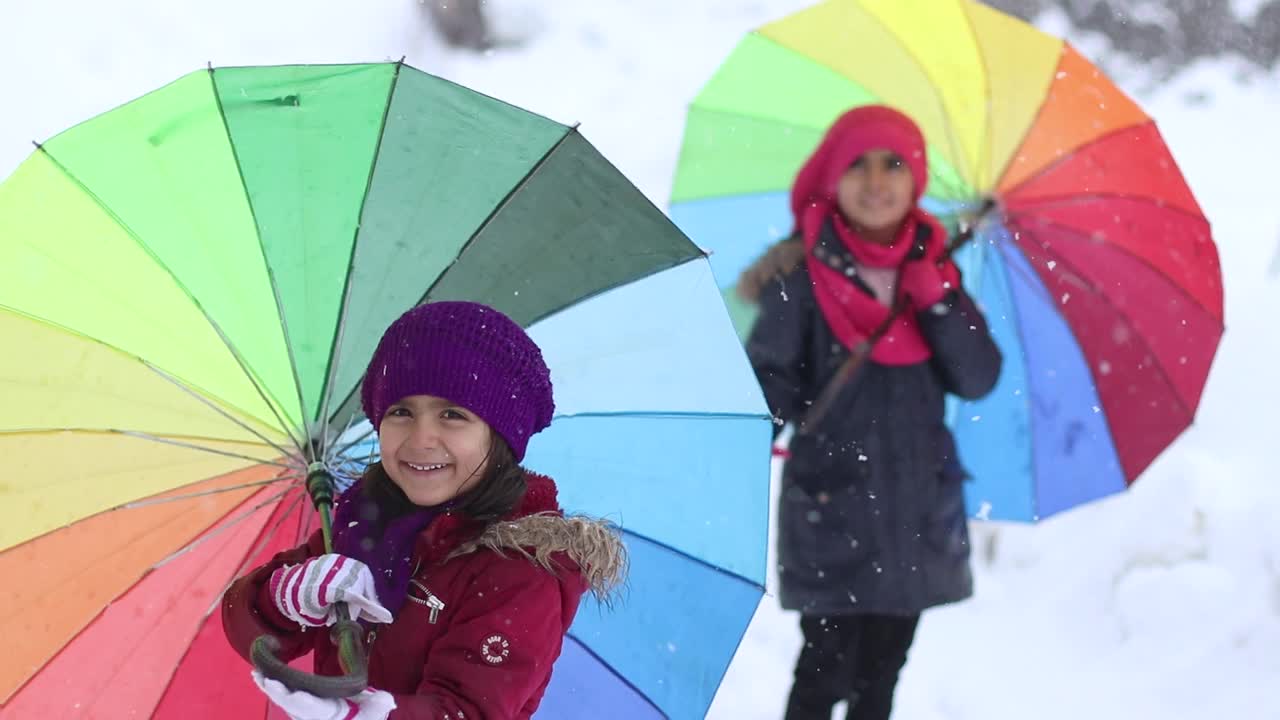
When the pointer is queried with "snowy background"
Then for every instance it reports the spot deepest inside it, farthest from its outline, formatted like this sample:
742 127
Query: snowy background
1162 603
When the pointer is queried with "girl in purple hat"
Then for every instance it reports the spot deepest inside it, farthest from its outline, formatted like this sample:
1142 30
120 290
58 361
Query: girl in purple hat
458 558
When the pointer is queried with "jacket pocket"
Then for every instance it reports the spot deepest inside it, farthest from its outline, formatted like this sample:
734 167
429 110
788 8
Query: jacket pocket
819 465
822 532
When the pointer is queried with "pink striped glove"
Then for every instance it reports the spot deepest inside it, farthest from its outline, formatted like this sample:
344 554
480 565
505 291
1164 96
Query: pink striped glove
298 705
306 593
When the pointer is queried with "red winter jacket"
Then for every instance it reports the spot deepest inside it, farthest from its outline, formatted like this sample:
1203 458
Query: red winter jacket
506 592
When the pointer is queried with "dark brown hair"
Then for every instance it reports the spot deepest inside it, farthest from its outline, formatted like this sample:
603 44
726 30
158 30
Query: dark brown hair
498 492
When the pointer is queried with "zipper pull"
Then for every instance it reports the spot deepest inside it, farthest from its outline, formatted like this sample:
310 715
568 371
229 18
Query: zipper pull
436 605
433 602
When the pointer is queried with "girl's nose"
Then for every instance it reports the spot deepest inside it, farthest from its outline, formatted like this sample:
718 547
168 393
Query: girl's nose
876 176
425 433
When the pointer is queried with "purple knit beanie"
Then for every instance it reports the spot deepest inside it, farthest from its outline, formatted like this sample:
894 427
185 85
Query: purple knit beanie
469 354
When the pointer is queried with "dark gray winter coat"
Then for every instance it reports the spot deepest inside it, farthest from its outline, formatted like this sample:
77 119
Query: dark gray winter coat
872 516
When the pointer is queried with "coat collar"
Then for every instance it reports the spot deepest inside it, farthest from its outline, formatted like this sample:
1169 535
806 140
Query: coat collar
451 529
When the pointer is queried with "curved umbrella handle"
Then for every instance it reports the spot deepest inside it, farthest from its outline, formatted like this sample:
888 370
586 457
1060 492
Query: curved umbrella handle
346 635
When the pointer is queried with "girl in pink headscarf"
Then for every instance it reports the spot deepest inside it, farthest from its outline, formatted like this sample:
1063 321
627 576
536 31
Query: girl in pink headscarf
872 525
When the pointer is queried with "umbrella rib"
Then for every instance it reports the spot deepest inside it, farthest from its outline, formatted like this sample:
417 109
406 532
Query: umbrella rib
500 206
339 333
170 378
1008 269
195 446
730 113
213 324
497 208
663 414
217 600
81 632
1164 376
614 672
702 255
209 403
343 467
284 477
271 277
956 147
697 560
268 535
1035 121
338 454
118 508
122 666
264 538
1080 236
167 441
572 131
1028 206
362 437
85 561
984 151
1068 156
935 179
226 525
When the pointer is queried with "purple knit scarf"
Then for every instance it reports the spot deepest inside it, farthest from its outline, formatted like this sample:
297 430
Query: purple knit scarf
360 531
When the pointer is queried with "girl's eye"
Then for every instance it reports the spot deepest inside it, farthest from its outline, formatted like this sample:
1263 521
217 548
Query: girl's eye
452 414
894 162
398 412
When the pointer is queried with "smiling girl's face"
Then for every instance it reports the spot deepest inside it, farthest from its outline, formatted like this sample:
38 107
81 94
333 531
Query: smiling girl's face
432 449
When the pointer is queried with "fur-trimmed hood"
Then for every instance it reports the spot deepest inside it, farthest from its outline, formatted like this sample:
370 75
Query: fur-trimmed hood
594 546
781 258
539 531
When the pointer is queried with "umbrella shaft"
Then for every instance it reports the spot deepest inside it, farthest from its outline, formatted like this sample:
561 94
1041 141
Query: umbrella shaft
320 488
326 527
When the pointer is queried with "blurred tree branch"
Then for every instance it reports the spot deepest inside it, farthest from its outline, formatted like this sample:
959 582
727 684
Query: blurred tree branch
460 23
1175 32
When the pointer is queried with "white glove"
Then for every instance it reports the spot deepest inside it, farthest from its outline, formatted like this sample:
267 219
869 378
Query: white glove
298 705
306 593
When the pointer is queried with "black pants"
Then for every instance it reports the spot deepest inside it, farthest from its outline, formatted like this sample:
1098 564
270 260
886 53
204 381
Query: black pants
850 657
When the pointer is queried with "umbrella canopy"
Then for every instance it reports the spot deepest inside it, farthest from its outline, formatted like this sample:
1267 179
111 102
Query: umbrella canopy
1099 275
190 288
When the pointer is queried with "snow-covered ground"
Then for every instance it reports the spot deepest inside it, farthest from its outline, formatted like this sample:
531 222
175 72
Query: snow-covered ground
1163 603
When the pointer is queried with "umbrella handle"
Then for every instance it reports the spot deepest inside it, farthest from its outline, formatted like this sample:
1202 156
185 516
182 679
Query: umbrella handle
345 633
351 655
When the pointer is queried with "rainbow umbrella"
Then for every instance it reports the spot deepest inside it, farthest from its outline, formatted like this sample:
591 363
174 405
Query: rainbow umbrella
1098 273
190 287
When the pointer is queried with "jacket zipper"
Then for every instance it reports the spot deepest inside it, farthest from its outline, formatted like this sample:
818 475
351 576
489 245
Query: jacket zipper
433 602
